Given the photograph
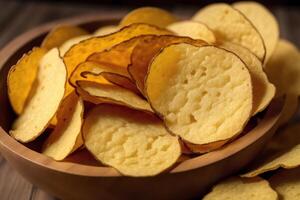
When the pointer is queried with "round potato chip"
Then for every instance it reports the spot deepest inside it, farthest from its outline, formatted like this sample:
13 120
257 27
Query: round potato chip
21 78
105 30
69 43
263 90
203 93
149 15
264 21
48 93
230 25
242 188
66 136
193 29
133 142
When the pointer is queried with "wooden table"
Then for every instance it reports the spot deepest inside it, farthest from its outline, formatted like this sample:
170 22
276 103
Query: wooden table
16 17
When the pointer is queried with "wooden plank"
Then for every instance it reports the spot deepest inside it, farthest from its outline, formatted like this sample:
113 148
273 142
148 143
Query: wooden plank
37 194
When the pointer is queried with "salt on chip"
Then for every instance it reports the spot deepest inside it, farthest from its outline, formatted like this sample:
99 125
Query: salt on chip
69 43
66 136
193 29
105 30
236 188
149 15
135 143
22 76
48 93
204 94
231 25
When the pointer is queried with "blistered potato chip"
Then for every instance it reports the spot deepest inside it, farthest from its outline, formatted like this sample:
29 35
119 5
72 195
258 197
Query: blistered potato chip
283 68
133 142
61 34
287 184
264 21
66 136
21 78
69 43
242 188
105 30
230 25
207 92
193 29
100 93
149 15
286 152
263 90
47 96
289 108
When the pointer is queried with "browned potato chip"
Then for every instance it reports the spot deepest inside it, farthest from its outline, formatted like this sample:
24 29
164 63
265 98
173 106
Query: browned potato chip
105 30
21 78
66 136
289 108
139 145
230 25
149 15
61 34
48 93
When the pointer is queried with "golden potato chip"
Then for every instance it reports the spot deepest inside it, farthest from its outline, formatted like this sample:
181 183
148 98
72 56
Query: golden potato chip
61 34
48 93
146 49
149 15
21 78
133 142
283 68
203 93
263 90
287 184
242 188
105 30
193 29
289 108
66 136
286 147
100 93
79 52
230 25
264 21
69 43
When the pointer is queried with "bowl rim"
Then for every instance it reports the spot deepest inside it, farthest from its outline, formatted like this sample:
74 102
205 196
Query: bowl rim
7 143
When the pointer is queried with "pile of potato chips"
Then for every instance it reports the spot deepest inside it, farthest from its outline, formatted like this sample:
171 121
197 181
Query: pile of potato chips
140 94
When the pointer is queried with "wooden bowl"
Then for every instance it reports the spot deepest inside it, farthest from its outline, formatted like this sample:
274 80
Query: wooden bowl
67 180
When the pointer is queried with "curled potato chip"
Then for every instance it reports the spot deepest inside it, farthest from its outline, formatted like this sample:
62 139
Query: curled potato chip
66 136
264 21
133 142
146 49
289 108
21 78
49 90
69 43
61 34
263 90
207 92
149 15
100 93
242 188
105 30
193 29
230 25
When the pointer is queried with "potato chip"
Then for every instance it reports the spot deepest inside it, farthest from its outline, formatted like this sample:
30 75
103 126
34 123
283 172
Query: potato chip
193 29
149 15
133 142
21 78
61 34
105 30
263 90
230 25
69 43
286 146
289 108
242 188
207 92
264 21
146 49
283 68
287 184
100 93
47 96
66 136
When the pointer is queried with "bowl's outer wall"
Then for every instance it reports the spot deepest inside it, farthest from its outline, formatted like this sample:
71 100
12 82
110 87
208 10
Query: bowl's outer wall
182 185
